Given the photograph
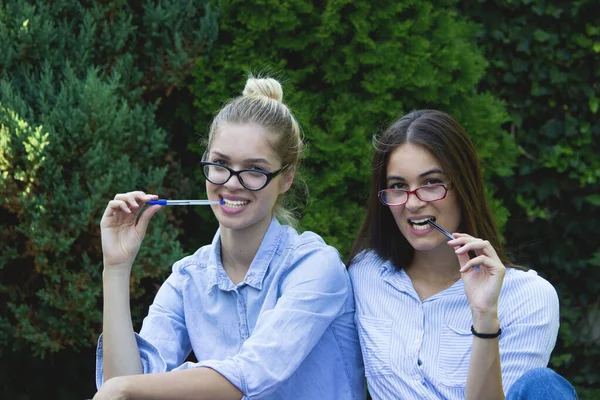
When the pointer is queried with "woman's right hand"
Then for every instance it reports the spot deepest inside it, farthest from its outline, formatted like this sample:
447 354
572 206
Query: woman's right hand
121 235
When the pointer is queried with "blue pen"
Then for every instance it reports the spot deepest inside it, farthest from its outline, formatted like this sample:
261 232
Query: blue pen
165 202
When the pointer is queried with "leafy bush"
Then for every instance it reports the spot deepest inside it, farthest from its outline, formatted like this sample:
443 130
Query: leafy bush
544 59
79 89
351 68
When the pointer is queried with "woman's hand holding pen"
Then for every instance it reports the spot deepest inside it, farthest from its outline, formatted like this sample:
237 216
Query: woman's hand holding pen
482 285
121 235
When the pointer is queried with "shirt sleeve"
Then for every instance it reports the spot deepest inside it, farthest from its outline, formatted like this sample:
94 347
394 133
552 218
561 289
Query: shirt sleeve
530 335
313 294
163 341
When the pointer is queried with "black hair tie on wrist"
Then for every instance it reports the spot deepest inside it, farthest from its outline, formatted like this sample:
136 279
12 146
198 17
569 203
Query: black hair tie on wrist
486 335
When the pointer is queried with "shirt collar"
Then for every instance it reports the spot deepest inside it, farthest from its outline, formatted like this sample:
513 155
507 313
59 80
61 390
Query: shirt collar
260 264
398 279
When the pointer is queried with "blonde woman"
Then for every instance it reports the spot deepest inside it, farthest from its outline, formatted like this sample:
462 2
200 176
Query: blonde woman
268 312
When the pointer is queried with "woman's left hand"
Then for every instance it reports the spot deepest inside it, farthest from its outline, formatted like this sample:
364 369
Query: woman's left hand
112 389
482 285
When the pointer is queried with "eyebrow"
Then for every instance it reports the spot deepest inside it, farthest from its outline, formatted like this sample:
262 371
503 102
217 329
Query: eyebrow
424 174
247 160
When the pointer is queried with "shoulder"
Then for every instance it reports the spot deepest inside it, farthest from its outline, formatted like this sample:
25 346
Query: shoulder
309 244
529 293
308 254
518 283
367 263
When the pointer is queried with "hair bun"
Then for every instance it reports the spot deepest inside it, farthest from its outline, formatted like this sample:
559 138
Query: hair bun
267 87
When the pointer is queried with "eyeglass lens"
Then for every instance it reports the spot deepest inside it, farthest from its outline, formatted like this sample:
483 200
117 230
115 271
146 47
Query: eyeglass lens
425 193
219 175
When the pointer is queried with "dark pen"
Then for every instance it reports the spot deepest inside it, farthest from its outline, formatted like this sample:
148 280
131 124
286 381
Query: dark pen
449 236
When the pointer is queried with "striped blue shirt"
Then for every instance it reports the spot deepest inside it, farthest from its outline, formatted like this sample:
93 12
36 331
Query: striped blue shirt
415 349
286 332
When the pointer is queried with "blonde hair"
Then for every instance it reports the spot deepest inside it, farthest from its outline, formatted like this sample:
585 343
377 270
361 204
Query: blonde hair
261 103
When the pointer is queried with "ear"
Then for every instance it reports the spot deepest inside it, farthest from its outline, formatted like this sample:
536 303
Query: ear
287 179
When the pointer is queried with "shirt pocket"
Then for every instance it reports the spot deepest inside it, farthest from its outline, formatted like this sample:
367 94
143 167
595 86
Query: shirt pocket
375 341
454 356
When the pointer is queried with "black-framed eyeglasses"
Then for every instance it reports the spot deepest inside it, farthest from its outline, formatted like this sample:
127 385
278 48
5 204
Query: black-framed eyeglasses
251 179
397 197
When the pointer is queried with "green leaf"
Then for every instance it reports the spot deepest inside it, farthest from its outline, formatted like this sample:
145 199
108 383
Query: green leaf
593 103
541 35
595 260
593 199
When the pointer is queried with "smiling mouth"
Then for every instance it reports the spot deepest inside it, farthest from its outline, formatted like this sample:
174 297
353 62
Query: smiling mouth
235 203
420 224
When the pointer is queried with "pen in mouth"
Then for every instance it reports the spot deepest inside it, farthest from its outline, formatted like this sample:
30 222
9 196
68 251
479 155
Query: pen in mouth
165 202
449 236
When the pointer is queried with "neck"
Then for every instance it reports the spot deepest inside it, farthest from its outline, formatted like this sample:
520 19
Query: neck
239 247
437 266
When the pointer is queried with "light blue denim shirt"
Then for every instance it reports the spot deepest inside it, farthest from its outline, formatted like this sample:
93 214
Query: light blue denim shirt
286 332
416 349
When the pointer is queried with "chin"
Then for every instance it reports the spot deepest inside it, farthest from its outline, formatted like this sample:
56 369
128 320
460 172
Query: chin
234 224
241 221
424 245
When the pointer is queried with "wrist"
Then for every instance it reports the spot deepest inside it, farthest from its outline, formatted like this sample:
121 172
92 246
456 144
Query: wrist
116 272
490 335
486 322
484 313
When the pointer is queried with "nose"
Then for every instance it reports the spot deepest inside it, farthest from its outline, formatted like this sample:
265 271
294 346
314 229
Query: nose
413 202
233 183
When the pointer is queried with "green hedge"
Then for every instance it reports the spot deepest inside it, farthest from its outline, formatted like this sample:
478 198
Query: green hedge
545 63
351 68
79 90
95 99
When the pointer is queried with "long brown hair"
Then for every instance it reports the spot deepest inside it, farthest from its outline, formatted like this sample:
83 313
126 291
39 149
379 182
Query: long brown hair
446 139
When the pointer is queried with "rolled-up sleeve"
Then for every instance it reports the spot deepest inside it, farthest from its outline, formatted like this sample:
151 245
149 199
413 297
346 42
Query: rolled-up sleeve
314 292
529 338
163 341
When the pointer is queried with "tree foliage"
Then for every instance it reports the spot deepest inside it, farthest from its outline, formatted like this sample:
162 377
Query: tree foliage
79 90
94 100
544 63
351 68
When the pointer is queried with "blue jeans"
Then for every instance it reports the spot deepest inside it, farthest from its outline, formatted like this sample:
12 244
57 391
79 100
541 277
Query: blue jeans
541 383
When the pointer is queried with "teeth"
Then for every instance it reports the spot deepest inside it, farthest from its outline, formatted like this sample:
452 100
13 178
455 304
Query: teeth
419 221
235 203
420 227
